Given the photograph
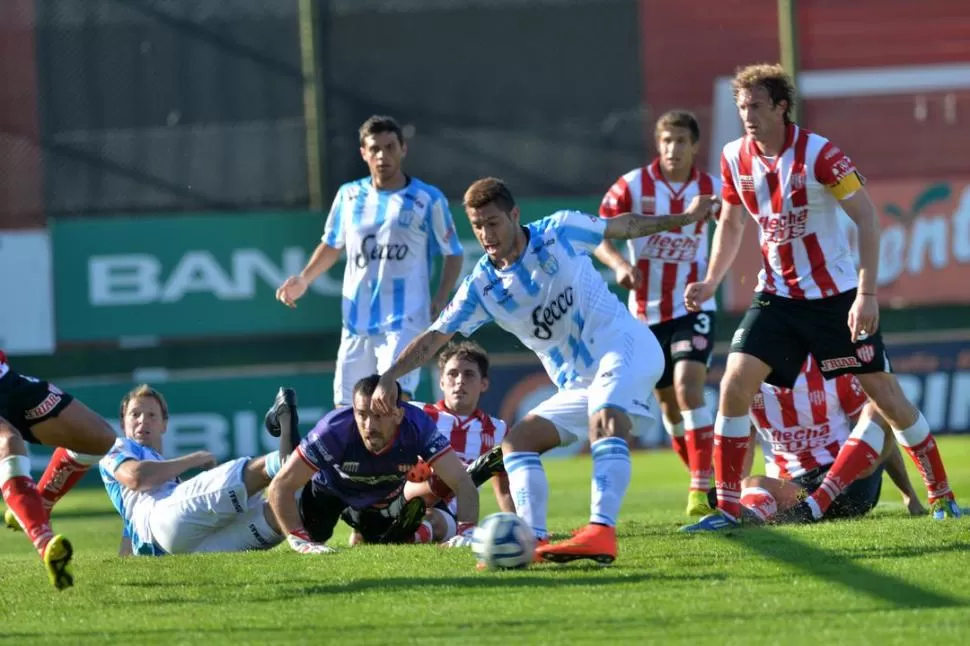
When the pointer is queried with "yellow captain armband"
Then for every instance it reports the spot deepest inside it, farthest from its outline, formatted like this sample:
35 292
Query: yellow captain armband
846 186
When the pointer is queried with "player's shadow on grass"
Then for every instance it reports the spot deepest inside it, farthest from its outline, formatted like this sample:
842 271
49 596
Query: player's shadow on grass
840 567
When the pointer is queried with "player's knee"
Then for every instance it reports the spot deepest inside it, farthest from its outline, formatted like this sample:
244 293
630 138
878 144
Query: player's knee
737 393
10 441
609 423
690 394
531 434
888 398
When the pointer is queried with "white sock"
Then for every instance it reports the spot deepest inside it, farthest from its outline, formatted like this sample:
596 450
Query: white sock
529 489
674 429
915 434
611 477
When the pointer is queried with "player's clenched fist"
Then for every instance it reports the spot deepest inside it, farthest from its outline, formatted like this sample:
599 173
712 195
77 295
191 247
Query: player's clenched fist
292 289
696 294
703 207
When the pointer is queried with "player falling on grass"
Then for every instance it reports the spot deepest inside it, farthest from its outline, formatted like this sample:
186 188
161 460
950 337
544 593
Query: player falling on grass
804 433
657 269
539 283
809 297
221 509
475 436
353 466
391 225
35 411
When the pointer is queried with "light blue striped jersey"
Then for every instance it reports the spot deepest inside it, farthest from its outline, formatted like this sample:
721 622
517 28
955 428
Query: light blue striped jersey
391 238
133 506
551 298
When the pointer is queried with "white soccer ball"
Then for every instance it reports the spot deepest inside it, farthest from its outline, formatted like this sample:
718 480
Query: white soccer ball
503 541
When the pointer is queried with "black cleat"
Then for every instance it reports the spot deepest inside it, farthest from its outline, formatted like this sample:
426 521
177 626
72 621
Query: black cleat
800 513
283 411
485 466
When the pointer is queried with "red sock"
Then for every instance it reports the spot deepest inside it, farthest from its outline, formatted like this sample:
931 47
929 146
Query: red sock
729 452
760 502
60 476
699 431
855 456
424 533
926 455
22 498
679 444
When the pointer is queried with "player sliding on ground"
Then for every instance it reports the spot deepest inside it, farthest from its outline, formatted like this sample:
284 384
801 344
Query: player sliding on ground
538 282
804 433
37 412
219 510
353 466
810 298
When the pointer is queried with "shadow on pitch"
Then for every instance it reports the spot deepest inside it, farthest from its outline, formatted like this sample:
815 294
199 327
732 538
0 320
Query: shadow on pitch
840 566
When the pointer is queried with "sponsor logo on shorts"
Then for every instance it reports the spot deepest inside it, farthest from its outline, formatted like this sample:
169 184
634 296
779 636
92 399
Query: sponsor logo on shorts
681 346
643 405
738 337
700 342
46 406
258 537
235 502
838 363
866 353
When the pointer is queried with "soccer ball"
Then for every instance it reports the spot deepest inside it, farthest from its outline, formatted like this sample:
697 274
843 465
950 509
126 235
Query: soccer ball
503 541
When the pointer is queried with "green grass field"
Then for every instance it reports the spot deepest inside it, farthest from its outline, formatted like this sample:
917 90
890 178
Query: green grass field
887 579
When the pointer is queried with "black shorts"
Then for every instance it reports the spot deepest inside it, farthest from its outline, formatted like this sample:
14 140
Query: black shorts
320 510
783 331
858 499
26 401
685 338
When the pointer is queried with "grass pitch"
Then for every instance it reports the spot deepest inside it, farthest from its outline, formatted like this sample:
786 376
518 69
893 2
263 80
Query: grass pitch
886 579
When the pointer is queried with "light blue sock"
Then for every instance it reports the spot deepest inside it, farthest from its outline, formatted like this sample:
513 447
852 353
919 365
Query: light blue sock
529 489
273 463
611 477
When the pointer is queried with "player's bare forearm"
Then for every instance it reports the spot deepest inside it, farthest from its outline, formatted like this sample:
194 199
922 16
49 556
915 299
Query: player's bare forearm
503 495
324 257
862 211
627 226
607 254
450 270
145 475
727 241
281 493
418 352
452 472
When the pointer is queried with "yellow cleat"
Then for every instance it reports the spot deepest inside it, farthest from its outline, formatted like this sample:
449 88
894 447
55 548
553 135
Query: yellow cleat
11 521
57 560
698 505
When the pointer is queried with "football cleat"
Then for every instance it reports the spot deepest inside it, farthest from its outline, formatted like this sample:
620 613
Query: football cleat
801 513
485 466
57 560
595 542
715 522
10 520
698 504
285 402
943 508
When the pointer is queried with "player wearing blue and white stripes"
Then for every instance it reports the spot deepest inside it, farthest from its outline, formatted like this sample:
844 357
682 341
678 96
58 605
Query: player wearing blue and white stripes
392 226
539 283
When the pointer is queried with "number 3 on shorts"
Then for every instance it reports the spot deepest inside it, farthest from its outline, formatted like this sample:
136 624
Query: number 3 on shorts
702 324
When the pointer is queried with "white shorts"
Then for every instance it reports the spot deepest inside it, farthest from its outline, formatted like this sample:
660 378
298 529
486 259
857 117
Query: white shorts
212 513
363 355
627 373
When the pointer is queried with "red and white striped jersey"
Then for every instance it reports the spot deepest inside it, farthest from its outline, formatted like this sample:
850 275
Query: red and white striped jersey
670 259
794 199
470 437
802 428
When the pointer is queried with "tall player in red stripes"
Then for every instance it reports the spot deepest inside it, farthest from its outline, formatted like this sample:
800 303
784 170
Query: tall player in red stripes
657 269
35 411
809 298
803 432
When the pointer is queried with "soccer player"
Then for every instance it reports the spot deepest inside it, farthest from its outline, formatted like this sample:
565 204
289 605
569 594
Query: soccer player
221 509
809 298
391 225
803 431
538 282
657 269
475 436
35 411
354 464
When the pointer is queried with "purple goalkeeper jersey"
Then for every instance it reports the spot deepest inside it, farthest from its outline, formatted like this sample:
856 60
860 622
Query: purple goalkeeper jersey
348 469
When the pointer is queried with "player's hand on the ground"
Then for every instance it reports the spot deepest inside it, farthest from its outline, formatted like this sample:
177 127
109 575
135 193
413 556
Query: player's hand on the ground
463 538
628 276
703 207
384 398
301 542
696 294
863 317
914 506
292 289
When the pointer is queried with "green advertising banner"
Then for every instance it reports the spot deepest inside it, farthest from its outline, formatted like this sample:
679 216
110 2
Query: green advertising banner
204 275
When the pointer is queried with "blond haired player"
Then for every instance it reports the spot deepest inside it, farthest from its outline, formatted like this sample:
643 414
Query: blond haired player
657 269
810 298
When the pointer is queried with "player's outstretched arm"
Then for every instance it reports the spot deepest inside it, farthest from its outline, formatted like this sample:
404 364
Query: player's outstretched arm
281 496
864 315
293 288
627 226
450 271
145 475
503 495
416 354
